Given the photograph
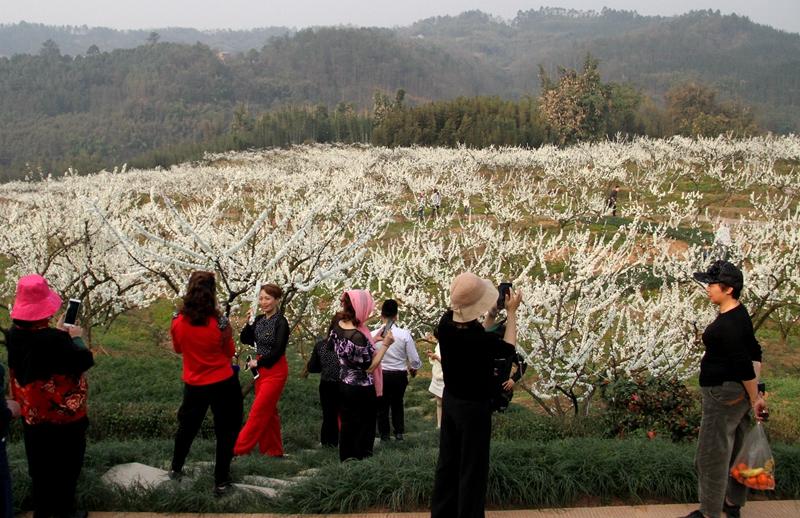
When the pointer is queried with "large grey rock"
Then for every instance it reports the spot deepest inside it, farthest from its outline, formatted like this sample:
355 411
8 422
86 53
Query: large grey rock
134 475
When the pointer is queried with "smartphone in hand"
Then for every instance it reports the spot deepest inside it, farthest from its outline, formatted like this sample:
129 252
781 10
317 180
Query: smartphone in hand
253 370
72 312
388 326
504 289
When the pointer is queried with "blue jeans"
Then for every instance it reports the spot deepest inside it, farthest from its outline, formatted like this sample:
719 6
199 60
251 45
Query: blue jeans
5 483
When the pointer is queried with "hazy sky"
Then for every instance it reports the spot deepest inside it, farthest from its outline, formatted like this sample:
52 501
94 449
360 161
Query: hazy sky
237 14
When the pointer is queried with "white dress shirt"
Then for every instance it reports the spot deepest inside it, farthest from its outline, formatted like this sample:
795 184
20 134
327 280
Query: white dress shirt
402 353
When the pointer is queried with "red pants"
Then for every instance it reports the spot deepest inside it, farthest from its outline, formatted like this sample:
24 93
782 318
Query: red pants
263 425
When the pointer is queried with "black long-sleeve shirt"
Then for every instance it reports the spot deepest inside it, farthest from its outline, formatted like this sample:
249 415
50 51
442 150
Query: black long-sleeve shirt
468 353
269 336
731 349
36 355
324 361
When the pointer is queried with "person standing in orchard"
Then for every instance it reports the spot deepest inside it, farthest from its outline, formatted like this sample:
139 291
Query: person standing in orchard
722 241
467 354
436 202
611 200
398 362
47 368
437 382
269 332
204 337
358 360
729 374
325 362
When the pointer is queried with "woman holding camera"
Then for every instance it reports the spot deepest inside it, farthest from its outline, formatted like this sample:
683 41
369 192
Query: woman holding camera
729 374
353 343
203 336
46 367
467 355
269 333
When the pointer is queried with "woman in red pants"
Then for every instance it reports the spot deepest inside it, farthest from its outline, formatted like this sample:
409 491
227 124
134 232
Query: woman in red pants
269 332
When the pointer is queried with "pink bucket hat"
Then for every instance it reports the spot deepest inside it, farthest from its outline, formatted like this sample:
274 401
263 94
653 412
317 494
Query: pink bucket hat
35 300
471 297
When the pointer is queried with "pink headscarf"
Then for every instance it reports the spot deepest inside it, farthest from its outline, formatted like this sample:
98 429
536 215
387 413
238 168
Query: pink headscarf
362 303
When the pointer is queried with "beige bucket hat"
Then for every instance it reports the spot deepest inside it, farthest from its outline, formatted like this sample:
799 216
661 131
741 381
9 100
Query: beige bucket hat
471 297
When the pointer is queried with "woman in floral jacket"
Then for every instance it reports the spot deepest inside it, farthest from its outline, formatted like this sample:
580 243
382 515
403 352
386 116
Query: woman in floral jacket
46 367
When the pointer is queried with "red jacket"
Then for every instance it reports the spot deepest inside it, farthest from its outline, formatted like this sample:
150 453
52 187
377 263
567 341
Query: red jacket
207 350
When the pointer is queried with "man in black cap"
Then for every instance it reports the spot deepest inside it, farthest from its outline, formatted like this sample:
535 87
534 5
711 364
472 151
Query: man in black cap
729 387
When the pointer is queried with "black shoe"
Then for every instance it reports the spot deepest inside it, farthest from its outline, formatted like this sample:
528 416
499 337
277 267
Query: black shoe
175 474
695 514
733 511
398 436
384 438
222 489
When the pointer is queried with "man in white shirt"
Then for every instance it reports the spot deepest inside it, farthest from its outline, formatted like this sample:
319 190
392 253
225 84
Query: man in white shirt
722 242
400 359
436 202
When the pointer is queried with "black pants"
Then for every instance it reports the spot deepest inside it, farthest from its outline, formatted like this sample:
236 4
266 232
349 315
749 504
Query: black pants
357 405
225 400
459 490
329 399
55 457
394 389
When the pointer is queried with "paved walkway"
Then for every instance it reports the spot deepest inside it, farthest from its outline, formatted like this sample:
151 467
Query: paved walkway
770 509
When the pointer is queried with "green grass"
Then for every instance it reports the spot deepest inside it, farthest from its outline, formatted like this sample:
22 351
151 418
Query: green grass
784 403
139 332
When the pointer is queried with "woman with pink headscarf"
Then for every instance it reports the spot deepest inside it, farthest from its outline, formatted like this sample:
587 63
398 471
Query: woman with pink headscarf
352 341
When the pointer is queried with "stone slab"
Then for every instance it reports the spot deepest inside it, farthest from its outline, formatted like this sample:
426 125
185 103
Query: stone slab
133 475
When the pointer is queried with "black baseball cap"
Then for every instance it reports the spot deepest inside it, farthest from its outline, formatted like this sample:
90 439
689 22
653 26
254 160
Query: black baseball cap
724 272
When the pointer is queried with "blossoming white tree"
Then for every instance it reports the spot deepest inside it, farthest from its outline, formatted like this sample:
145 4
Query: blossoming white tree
603 299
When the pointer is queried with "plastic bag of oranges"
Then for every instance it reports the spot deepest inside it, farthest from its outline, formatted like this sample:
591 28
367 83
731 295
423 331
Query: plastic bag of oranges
754 466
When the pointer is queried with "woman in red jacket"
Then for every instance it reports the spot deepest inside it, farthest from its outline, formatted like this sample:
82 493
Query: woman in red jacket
204 337
269 333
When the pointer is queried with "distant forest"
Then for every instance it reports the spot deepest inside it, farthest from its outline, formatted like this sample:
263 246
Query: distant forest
92 98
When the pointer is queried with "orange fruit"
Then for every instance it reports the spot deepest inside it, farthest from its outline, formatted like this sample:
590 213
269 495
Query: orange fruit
763 479
741 466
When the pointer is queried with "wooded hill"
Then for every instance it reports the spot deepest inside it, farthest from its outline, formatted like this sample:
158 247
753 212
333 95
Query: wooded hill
104 105
743 60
